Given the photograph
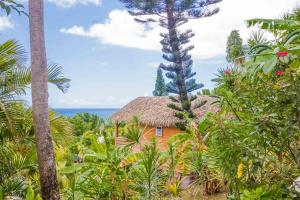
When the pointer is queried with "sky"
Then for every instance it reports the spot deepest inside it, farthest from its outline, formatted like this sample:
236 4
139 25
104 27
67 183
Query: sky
111 59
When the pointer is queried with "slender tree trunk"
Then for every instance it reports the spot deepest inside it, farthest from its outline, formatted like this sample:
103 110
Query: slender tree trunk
175 49
46 161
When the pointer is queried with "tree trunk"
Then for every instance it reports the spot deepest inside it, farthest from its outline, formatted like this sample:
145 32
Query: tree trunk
179 65
39 86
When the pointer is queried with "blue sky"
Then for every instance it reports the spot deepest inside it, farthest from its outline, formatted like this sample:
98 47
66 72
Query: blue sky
112 60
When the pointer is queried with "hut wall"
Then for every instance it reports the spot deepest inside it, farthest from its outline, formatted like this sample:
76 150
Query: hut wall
150 132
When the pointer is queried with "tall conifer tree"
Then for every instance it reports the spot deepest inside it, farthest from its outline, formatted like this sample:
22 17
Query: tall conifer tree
234 48
160 86
171 14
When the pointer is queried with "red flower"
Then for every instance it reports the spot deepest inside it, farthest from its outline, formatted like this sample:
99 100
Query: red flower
280 73
227 71
282 54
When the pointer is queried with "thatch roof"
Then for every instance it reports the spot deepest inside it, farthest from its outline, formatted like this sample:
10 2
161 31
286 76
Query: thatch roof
154 111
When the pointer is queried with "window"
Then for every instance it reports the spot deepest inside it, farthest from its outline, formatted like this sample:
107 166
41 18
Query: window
159 131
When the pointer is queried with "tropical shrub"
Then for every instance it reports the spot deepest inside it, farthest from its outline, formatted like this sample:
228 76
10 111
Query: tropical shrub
83 122
254 138
17 147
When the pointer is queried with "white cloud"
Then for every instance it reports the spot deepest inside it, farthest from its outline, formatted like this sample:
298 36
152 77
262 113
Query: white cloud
120 29
5 23
211 33
71 3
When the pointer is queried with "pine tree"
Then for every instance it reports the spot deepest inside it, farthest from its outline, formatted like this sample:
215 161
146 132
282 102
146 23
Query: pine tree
171 15
160 86
235 49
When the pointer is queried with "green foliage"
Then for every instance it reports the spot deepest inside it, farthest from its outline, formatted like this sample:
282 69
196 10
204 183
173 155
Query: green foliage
18 162
249 147
9 5
234 48
191 157
133 132
264 192
83 122
14 170
147 173
55 76
15 78
254 138
205 92
171 15
279 27
160 86
30 193
103 171
257 38
99 173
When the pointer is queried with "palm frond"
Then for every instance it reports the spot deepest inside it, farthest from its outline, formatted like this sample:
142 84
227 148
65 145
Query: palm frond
257 38
274 24
11 54
291 37
12 5
133 132
55 76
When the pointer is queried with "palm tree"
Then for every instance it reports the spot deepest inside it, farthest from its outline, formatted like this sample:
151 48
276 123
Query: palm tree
46 160
16 119
15 78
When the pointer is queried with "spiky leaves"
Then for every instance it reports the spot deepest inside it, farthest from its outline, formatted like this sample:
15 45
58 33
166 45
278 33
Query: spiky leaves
14 166
160 86
147 173
257 38
133 132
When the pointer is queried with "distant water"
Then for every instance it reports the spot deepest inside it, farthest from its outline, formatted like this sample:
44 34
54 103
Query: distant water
101 112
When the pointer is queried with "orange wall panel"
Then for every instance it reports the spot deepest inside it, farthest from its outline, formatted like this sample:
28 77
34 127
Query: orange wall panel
150 132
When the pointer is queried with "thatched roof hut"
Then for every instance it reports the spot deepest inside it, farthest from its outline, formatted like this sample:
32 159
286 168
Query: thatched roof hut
154 111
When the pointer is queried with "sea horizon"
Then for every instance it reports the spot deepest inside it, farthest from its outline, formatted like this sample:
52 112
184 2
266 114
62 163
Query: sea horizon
101 112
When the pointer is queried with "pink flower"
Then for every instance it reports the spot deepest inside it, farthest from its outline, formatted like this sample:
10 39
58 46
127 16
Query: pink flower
280 73
282 54
227 71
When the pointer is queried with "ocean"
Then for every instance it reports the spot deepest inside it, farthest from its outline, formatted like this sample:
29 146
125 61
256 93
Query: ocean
101 112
